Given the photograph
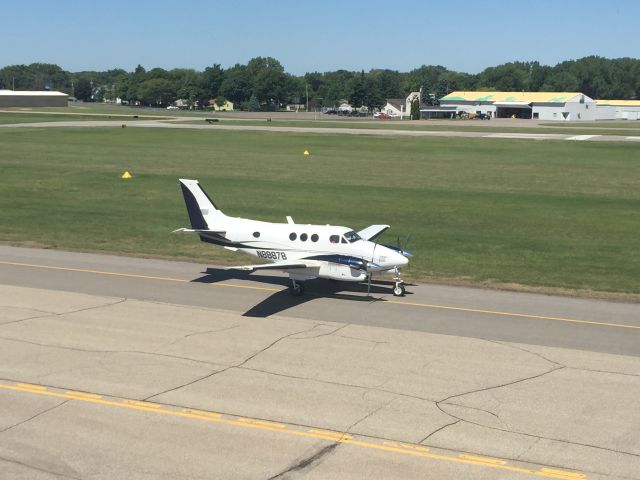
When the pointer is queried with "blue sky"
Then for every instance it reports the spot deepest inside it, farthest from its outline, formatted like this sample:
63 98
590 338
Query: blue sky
318 35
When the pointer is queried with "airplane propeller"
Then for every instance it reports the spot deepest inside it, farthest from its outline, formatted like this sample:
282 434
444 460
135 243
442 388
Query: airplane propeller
402 249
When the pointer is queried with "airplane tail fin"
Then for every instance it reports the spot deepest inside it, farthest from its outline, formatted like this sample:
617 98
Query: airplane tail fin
203 213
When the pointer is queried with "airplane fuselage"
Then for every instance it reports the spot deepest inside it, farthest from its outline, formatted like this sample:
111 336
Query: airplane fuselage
336 251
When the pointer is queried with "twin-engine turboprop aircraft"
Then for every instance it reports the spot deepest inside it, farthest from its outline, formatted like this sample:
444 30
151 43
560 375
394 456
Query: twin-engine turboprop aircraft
303 251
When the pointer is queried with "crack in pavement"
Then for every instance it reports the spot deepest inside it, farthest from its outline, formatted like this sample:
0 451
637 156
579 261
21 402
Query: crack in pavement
231 366
522 349
473 408
34 416
310 461
322 334
439 430
193 334
54 314
371 413
87 350
50 472
508 384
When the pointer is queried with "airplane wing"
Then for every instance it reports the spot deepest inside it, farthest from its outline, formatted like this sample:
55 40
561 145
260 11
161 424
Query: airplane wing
372 231
275 266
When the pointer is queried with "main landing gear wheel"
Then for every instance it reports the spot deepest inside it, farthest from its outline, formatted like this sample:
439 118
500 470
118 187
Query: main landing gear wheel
296 288
398 290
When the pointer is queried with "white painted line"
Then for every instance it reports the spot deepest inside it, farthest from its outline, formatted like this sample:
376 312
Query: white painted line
520 135
582 137
634 139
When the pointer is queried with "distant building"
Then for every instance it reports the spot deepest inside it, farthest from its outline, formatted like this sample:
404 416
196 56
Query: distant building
566 106
227 106
397 107
19 98
618 109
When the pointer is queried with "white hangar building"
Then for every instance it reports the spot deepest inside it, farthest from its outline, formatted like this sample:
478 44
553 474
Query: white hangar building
565 106
23 98
618 109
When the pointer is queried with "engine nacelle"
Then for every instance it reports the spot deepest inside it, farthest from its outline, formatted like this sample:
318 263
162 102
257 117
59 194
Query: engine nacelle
342 272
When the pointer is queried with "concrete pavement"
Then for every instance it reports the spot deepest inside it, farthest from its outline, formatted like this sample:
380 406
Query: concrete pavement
138 385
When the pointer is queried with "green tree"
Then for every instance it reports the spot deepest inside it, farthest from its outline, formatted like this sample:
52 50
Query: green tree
82 89
358 92
236 85
415 110
254 104
267 79
157 92
212 79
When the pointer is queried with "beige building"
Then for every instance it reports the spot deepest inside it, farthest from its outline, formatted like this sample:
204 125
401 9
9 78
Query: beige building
23 98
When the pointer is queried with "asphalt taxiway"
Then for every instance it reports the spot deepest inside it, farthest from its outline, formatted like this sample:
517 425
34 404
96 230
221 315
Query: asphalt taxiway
114 367
179 124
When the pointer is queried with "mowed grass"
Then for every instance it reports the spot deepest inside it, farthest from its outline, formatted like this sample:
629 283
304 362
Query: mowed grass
486 211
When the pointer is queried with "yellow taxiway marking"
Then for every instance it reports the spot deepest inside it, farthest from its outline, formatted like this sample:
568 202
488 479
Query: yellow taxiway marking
132 275
394 302
328 435
512 314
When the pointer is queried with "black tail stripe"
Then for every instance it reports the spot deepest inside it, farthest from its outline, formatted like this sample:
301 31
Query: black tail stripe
195 215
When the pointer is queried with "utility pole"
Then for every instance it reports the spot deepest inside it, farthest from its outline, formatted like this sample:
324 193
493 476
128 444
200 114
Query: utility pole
306 91
14 84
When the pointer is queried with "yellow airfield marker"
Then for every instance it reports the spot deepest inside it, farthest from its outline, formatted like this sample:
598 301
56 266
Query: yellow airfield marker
126 175
306 152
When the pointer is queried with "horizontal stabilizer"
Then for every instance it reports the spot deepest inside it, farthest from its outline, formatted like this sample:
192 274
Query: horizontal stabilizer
372 231
199 230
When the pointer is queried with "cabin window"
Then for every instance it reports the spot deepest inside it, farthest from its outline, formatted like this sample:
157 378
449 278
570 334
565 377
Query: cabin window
343 240
292 236
303 237
334 239
352 237
256 234
314 238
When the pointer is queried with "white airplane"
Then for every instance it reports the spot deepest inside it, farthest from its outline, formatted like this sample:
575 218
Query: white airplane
304 252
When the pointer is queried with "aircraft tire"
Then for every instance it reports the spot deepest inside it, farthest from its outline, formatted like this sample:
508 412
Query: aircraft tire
398 290
297 290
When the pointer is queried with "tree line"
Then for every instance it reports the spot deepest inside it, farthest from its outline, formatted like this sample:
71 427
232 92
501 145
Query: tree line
262 83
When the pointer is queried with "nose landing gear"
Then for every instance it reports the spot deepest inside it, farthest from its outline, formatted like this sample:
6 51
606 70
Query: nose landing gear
398 289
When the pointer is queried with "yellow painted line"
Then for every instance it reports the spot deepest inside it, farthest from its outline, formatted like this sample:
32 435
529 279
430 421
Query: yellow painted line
561 474
394 302
141 404
261 422
202 413
512 314
405 445
332 436
475 458
82 394
28 385
131 275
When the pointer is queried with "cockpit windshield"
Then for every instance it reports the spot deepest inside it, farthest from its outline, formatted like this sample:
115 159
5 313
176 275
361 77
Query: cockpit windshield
352 236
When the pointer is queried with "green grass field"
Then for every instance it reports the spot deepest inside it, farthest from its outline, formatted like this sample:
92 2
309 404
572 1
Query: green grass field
562 215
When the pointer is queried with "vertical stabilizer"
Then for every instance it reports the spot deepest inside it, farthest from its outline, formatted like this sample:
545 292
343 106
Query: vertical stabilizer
203 213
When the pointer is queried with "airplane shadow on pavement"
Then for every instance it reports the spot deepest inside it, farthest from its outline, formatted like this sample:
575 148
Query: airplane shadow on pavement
315 289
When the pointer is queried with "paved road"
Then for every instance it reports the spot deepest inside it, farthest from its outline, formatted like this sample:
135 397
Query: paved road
330 130
593 325
115 367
